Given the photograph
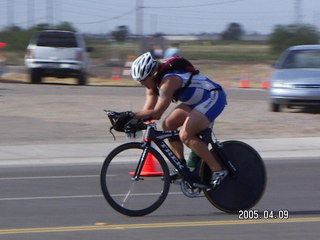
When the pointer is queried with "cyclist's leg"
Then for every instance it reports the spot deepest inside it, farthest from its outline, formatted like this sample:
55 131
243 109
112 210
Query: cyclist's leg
195 123
200 118
172 122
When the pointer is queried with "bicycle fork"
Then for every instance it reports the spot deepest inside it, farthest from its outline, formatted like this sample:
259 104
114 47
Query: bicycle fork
136 174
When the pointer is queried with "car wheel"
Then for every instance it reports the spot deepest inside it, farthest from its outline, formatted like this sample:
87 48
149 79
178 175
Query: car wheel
275 107
35 76
82 79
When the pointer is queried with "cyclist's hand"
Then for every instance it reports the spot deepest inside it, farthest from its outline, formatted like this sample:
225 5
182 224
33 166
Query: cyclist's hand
126 116
123 119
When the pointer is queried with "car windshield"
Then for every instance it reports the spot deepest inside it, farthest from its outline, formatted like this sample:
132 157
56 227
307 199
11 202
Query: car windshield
57 39
302 59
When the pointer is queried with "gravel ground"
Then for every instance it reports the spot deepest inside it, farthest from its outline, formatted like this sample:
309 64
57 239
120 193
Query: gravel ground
33 114
252 119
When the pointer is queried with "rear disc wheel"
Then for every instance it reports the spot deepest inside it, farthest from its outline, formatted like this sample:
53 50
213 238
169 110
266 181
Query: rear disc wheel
246 188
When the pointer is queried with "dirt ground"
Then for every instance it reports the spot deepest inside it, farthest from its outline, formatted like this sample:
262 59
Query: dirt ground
253 119
50 113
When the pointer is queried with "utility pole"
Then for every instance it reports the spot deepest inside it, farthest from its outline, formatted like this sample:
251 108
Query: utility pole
298 12
50 13
139 25
30 9
10 13
154 23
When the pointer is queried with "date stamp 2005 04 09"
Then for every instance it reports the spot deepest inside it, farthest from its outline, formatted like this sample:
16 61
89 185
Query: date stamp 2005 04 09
265 214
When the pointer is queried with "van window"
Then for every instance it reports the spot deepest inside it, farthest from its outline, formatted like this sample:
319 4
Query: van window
56 39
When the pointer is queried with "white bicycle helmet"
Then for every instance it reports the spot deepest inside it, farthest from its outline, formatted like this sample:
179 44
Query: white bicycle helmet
142 67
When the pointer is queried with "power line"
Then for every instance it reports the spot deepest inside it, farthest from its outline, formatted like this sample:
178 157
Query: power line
35 20
82 8
198 5
225 15
110 19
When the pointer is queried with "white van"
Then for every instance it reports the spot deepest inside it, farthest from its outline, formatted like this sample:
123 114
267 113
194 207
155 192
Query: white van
55 53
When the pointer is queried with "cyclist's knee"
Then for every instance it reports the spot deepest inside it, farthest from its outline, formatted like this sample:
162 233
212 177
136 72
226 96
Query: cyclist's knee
165 125
185 137
168 125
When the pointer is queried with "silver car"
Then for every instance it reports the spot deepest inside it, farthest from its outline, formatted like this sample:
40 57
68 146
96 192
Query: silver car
296 80
55 53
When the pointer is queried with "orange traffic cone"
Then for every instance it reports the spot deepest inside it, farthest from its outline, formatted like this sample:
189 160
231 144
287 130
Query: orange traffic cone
116 73
244 80
265 84
150 167
244 84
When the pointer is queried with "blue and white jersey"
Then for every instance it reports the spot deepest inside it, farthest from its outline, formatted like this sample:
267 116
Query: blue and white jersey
200 86
200 94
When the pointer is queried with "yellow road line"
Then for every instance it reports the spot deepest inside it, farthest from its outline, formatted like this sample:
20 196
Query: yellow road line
155 225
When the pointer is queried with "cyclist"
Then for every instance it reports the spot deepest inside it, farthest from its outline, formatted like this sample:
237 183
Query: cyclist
201 102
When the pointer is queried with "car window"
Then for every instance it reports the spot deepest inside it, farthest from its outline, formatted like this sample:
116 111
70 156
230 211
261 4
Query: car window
302 59
56 39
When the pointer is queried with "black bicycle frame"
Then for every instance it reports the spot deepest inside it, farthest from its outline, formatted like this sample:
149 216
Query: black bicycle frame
158 138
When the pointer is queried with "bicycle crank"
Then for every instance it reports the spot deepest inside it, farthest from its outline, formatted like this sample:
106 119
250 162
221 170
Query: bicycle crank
190 191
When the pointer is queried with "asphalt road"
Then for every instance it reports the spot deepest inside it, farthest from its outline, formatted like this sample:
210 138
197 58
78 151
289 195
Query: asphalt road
65 202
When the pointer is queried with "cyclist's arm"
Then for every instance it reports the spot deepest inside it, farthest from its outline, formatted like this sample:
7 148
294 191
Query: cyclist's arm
151 99
166 91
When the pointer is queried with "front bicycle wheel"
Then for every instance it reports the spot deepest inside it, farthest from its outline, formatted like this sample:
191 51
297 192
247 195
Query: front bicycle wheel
246 188
134 196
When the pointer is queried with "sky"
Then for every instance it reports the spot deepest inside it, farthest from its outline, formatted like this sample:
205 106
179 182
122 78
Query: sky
165 16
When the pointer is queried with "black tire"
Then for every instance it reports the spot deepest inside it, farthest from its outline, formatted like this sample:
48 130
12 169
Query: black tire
35 76
275 107
246 188
134 197
82 78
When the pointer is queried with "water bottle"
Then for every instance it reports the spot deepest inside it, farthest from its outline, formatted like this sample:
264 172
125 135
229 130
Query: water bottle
193 159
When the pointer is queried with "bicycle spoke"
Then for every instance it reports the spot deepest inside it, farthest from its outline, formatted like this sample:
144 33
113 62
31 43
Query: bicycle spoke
125 198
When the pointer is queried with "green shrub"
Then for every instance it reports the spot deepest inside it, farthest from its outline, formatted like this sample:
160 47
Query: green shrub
286 36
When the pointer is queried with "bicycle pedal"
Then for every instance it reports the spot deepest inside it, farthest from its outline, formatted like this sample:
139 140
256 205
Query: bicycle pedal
212 187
